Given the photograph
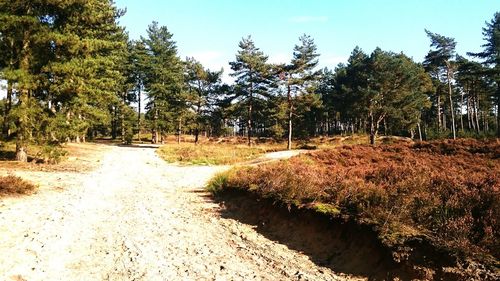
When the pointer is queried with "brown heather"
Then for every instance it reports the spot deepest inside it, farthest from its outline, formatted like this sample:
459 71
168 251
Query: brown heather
446 191
12 185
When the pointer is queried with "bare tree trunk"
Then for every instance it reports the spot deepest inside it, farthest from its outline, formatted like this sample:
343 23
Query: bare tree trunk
438 105
419 131
249 121
179 130
114 124
498 109
452 112
469 112
22 126
139 115
154 138
22 130
476 112
290 116
197 128
372 129
461 115
122 119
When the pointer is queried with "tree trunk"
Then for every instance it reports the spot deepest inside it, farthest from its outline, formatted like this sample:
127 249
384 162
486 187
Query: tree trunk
476 113
469 112
197 128
419 131
22 126
122 119
452 112
139 115
461 115
22 130
438 106
179 130
498 109
372 129
250 108
290 115
114 122
154 138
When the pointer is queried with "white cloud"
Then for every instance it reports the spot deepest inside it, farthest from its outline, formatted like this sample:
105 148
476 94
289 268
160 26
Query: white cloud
308 19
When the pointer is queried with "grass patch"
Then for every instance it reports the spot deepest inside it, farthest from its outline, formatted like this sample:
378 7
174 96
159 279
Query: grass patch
12 185
211 153
446 191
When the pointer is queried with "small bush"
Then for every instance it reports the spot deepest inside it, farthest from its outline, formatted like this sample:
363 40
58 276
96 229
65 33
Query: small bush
12 185
51 154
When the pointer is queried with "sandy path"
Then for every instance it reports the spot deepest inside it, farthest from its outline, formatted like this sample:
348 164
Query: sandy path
136 218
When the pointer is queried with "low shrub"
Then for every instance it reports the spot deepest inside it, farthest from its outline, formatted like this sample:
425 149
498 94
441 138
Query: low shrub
12 185
447 191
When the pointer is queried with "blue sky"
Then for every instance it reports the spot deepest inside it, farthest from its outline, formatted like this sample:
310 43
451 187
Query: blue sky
210 30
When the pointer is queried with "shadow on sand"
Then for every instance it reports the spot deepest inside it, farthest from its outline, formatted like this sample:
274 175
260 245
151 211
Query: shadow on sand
343 246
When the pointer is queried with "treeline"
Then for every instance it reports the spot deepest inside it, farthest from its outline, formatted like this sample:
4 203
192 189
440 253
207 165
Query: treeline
72 73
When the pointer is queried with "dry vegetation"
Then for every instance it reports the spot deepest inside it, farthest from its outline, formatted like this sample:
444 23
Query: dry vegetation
12 185
211 153
447 192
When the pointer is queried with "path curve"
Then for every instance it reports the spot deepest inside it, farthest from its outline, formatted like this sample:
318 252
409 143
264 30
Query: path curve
137 218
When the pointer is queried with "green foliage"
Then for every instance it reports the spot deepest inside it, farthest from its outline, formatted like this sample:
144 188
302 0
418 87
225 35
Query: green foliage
65 63
51 154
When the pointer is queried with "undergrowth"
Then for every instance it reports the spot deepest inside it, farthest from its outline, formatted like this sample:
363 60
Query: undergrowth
211 154
12 185
446 191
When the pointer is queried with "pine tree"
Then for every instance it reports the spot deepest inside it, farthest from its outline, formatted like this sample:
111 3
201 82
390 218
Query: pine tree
440 57
202 84
23 33
139 57
301 77
251 70
491 58
164 83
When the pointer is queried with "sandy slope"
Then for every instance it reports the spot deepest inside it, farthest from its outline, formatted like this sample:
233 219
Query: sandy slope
136 218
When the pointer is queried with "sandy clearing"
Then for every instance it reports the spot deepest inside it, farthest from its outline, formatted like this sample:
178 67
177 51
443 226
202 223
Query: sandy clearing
136 218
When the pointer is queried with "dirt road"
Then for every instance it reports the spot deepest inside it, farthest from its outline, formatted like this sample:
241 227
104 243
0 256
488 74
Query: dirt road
136 218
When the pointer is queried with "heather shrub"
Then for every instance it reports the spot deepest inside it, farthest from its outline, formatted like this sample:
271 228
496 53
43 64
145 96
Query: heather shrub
447 191
12 185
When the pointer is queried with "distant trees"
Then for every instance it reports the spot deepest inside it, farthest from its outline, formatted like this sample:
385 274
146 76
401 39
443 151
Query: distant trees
491 59
71 73
439 62
202 85
381 88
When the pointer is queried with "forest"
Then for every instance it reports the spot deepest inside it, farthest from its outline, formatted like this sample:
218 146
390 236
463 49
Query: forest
72 74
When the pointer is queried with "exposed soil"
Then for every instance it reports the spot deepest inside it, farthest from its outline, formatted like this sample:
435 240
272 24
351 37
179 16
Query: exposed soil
137 218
